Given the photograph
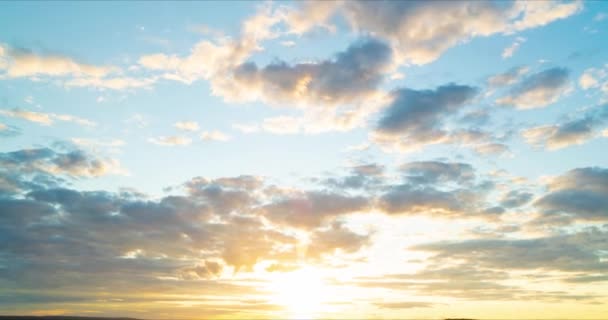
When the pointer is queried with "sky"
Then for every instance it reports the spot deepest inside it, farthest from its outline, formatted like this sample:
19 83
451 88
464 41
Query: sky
330 159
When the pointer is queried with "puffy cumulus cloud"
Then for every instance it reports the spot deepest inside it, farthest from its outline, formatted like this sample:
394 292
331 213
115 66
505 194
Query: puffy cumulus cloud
333 94
318 87
310 15
310 209
575 252
579 194
415 118
352 75
187 125
572 132
169 141
45 118
214 59
538 90
110 237
405 24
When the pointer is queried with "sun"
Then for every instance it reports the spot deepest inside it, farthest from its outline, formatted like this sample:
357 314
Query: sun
302 293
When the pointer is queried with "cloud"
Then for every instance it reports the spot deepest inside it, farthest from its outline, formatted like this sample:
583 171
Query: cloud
365 176
48 167
170 141
187 125
22 63
408 199
416 117
515 198
510 50
8 131
432 172
19 63
288 43
404 24
214 136
508 78
336 238
45 118
538 90
114 83
113 143
311 209
578 194
572 132
361 66
595 78
576 252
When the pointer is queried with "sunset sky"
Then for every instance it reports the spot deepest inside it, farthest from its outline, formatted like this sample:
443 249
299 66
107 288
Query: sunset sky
331 159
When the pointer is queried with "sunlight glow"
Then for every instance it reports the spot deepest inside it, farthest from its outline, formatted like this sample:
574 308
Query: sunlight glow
302 293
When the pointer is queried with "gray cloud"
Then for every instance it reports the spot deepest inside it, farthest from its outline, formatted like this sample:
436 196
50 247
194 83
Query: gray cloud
416 118
431 172
576 252
578 194
538 90
507 78
405 23
515 198
571 132
417 113
311 209
351 76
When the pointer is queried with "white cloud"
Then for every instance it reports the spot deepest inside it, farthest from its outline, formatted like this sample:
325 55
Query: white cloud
46 118
214 136
187 125
27 64
288 43
98 143
170 141
510 50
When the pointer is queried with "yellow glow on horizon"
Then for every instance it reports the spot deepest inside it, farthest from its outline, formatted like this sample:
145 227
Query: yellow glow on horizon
302 293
